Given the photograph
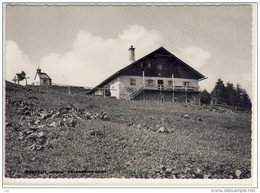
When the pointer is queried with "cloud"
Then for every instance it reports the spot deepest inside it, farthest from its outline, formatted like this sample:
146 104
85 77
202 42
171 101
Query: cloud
16 61
194 56
93 58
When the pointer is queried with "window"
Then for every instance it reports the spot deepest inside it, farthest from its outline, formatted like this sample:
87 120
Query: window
150 82
159 67
170 83
132 81
145 65
44 81
160 84
186 83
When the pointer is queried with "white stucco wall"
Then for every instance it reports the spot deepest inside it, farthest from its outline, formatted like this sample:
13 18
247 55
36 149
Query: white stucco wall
179 82
125 80
114 89
37 80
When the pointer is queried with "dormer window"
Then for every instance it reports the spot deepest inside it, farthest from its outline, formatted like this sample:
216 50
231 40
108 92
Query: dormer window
145 65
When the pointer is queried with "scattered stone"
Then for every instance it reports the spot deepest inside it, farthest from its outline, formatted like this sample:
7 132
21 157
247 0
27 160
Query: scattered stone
96 133
35 147
200 119
238 173
41 134
21 136
41 126
139 126
177 175
72 123
32 97
29 132
7 124
163 168
46 115
162 130
25 108
33 128
186 116
32 136
103 116
37 122
53 124
198 173
61 123
168 172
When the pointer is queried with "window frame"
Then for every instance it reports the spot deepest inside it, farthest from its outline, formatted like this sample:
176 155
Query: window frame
159 67
186 83
132 82
150 82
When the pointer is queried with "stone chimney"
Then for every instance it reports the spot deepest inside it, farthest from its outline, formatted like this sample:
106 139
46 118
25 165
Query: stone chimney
132 54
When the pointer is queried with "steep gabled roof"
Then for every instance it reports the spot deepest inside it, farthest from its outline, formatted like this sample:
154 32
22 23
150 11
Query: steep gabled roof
42 75
116 74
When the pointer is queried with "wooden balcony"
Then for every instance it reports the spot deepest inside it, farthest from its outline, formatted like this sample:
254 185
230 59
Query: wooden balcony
170 88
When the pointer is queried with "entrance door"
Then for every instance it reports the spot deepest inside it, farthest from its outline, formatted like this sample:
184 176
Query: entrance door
160 84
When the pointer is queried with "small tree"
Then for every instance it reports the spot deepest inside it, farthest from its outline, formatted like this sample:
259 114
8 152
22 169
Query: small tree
205 97
21 76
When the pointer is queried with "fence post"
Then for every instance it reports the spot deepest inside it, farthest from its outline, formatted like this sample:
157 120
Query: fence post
69 90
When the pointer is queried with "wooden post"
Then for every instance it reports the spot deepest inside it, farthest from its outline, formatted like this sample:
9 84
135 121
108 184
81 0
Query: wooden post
69 90
15 79
173 84
199 99
143 86
186 90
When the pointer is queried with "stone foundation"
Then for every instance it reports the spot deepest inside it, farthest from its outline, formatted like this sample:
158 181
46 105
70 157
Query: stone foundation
167 96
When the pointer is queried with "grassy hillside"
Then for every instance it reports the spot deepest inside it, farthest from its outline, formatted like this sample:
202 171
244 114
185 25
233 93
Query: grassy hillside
59 135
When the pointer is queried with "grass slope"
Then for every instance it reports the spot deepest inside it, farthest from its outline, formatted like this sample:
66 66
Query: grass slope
127 145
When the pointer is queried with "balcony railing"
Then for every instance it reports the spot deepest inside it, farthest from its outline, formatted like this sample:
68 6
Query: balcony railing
170 88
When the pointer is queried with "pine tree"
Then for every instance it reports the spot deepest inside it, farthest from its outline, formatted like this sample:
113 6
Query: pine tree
219 92
230 95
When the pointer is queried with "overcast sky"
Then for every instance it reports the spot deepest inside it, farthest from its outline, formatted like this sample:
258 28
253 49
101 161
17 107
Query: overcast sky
83 45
